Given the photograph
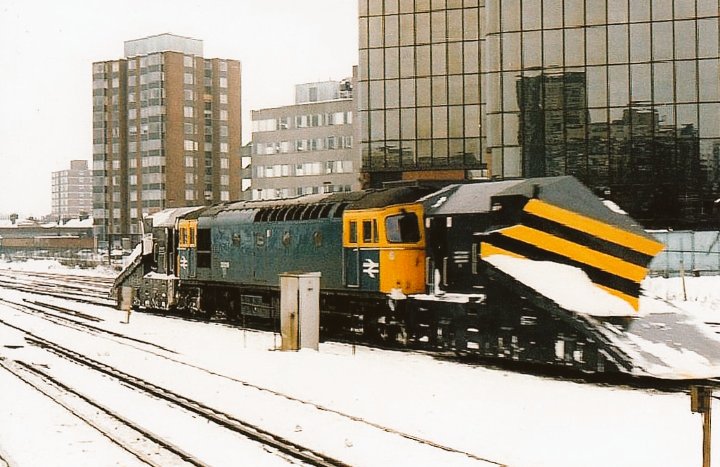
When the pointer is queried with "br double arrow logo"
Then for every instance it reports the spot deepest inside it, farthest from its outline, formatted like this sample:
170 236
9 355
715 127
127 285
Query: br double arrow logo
371 268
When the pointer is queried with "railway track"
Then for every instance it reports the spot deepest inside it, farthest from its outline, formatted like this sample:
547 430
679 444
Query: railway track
84 289
84 322
297 452
95 290
128 435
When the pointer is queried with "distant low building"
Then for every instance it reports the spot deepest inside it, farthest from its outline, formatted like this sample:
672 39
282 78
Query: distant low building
14 227
71 242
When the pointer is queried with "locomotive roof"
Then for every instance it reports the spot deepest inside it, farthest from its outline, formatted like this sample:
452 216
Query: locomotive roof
365 199
467 198
167 217
390 196
565 192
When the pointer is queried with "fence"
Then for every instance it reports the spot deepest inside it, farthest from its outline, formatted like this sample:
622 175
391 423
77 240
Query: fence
695 253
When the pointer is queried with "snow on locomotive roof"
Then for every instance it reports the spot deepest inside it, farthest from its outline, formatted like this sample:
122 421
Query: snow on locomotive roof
265 203
565 192
464 198
167 217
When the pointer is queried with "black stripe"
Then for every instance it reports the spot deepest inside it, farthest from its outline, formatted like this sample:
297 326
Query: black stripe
583 238
598 276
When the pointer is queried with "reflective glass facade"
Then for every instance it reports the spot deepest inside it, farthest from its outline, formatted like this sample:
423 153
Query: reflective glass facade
623 94
419 87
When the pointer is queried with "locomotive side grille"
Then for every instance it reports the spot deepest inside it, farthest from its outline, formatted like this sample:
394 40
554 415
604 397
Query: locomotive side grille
613 258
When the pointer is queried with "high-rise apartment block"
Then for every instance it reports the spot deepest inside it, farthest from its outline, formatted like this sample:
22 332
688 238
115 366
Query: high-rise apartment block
72 191
623 94
166 132
307 147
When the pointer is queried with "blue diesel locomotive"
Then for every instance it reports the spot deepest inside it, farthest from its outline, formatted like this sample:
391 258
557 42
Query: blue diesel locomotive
444 269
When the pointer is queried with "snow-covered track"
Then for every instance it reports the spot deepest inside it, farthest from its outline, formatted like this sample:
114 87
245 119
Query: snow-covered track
230 422
175 362
36 308
84 289
300 453
130 436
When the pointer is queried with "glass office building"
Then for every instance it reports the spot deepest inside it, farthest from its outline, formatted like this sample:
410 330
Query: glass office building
623 94
419 88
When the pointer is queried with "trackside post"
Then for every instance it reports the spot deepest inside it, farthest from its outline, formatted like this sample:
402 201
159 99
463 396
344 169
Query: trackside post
126 299
701 402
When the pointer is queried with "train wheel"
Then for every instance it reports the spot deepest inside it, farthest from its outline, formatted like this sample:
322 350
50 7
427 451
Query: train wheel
208 306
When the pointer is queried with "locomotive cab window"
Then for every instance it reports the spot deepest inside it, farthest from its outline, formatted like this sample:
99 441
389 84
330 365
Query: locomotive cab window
352 232
369 231
402 228
186 234
203 248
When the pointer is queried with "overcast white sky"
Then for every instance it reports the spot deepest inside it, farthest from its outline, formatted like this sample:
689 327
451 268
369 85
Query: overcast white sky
47 48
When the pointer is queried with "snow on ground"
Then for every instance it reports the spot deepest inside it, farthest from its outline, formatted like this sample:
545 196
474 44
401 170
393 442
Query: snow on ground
34 431
49 265
505 417
701 295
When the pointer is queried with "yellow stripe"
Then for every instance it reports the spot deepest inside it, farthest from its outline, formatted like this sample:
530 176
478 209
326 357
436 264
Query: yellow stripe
633 301
548 242
487 249
591 226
